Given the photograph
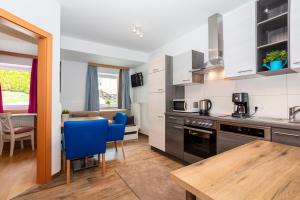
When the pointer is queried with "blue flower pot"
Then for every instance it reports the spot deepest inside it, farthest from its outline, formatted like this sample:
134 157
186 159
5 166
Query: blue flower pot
276 65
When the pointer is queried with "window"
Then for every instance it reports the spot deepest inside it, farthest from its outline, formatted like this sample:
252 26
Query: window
108 89
15 83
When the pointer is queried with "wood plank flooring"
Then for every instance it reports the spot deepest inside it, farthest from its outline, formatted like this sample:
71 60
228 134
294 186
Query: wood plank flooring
91 184
18 173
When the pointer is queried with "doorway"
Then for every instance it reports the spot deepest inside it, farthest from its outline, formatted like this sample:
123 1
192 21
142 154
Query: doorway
44 90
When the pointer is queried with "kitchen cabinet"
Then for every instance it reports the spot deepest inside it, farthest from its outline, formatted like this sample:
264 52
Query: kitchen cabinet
227 141
295 35
157 64
174 140
183 65
157 131
286 136
157 98
157 80
239 42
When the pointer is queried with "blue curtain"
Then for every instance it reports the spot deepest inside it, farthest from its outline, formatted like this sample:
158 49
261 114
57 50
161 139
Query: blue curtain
92 91
126 101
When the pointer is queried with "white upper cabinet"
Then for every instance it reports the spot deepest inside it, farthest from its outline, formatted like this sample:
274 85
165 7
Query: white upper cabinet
295 34
239 42
183 65
157 64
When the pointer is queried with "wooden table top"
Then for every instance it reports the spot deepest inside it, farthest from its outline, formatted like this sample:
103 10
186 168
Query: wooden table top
258 170
81 119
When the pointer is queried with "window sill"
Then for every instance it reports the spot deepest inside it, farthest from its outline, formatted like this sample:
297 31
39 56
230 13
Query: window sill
16 111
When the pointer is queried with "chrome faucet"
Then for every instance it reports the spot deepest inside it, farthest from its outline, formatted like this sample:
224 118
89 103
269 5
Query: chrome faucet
292 113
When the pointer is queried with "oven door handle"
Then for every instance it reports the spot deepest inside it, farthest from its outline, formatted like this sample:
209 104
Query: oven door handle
200 130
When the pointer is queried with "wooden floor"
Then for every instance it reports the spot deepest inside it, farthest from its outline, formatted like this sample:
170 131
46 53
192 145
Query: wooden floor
91 184
17 173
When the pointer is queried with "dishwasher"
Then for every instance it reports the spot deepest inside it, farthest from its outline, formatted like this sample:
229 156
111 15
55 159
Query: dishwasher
231 135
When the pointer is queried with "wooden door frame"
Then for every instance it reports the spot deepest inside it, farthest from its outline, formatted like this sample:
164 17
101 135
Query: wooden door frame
44 99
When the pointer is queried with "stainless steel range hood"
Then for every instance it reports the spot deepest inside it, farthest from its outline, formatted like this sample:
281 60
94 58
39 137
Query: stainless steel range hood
215 44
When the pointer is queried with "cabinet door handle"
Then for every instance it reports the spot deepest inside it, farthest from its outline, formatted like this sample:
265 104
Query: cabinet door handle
159 116
172 118
296 63
244 71
185 80
286 134
178 127
155 70
160 90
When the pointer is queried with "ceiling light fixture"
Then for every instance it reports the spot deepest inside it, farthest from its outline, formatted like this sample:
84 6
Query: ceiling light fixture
137 30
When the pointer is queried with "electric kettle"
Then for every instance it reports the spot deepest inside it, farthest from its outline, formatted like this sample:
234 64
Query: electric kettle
205 106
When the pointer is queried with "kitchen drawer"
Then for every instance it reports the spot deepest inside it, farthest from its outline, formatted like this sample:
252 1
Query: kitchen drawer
174 119
174 140
227 141
286 136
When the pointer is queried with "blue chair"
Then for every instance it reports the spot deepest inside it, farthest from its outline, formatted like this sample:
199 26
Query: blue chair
116 130
85 138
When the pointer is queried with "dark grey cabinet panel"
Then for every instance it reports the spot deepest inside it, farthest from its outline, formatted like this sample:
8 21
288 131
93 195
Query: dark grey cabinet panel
174 140
227 141
286 136
174 119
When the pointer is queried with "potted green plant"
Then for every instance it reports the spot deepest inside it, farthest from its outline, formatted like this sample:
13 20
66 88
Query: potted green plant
275 60
65 115
108 102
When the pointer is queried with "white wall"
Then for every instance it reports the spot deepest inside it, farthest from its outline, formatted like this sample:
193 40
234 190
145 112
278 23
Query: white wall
46 15
140 95
74 44
12 44
15 60
73 82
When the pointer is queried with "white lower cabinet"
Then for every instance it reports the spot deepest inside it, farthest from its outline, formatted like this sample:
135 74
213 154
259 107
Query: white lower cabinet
157 131
156 111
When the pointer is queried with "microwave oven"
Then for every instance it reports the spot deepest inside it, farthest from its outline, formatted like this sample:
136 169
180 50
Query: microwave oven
185 105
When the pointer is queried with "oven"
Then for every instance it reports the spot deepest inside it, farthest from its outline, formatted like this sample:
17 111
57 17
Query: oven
199 139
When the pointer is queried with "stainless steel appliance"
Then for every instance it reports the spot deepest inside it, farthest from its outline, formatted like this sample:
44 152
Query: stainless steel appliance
205 106
199 139
231 135
241 105
185 105
292 113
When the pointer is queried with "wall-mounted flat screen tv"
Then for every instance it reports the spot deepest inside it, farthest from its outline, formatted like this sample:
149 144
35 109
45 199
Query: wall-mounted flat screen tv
137 79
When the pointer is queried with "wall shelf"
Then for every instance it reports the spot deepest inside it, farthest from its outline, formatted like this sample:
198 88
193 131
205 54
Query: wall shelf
280 17
277 72
274 44
272 32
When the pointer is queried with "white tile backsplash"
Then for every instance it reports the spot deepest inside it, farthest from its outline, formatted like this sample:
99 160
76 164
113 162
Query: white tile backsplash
271 85
272 95
293 83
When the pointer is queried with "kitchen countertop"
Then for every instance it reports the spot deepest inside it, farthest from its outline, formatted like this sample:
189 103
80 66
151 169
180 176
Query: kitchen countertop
259 121
257 170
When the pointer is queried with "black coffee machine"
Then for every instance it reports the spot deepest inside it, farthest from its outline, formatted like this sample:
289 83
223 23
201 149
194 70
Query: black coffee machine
241 105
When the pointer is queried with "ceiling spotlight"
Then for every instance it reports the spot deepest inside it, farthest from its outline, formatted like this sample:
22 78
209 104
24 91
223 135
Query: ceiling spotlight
137 30
133 28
